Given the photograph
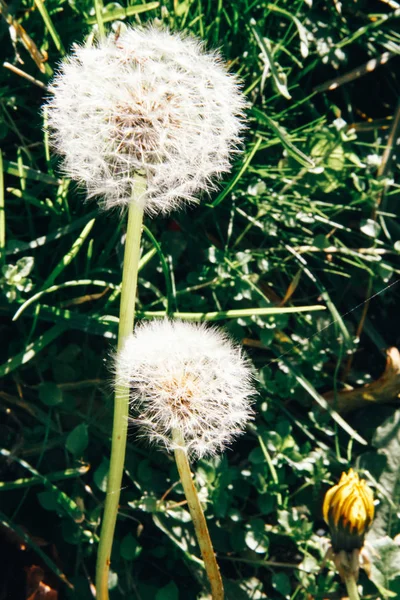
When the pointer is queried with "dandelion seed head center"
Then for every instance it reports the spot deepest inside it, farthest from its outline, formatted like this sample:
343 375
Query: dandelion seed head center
138 131
188 377
179 392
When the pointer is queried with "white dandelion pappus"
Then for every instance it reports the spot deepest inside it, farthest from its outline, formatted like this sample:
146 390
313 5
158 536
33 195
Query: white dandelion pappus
187 378
151 103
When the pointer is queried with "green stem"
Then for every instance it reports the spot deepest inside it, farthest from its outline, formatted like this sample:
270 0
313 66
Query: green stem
199 521
98 7
121 401
351 586
2 214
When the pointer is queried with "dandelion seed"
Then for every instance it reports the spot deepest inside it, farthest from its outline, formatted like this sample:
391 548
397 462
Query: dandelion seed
147 103
188 379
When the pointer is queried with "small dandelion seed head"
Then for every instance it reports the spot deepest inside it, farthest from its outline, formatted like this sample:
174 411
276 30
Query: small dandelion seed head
186 378
147 102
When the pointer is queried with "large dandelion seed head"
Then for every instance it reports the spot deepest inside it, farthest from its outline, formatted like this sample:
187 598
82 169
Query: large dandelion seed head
148 103
186 378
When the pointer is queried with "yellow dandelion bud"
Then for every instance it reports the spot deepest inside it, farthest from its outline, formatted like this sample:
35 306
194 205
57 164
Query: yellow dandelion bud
348 509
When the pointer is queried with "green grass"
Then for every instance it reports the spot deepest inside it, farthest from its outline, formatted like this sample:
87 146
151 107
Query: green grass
306 218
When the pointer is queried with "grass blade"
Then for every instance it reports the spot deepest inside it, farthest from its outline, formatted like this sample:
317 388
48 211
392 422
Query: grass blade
270 63
231 314
306 385
297 154
25 482
51 237
237 177
56 288
76 246
50 27
117 14
12 168
171 299
4 520
32 350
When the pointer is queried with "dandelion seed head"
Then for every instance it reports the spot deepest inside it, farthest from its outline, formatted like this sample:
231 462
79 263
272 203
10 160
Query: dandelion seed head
149 103
189 378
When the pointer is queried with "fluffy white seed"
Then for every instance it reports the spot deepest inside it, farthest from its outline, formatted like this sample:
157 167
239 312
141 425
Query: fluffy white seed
189 378
147 102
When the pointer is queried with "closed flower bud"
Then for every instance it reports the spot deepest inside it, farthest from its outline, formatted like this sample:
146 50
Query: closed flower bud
348 509
146 103
187 382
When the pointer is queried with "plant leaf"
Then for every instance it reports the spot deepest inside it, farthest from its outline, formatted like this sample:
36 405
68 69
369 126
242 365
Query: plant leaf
385 565
77 440
168 592
387 440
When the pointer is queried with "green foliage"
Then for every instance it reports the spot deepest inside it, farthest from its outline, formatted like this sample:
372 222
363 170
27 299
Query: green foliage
77 440
309 216
168 592
15 278
50 394
387 440
385 570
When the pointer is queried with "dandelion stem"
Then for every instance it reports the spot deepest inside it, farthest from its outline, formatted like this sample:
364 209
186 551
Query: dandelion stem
199 521
121 401
351 586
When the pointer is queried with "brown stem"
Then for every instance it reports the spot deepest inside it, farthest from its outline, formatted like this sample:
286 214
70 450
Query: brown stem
199 521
